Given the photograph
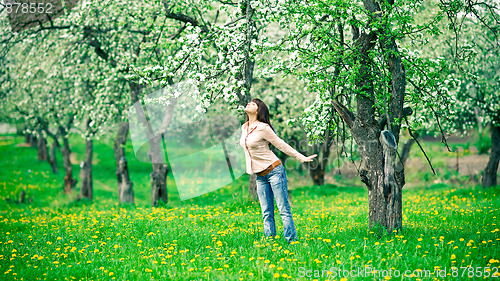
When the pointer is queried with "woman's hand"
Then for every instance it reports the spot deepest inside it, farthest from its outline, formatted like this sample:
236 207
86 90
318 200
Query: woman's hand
309 158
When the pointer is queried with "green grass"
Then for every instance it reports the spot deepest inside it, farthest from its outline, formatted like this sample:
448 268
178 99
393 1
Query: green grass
219 236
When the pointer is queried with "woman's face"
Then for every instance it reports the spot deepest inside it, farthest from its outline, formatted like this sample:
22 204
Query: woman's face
251 108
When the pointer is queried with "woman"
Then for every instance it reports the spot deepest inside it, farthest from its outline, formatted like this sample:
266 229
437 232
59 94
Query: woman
257 133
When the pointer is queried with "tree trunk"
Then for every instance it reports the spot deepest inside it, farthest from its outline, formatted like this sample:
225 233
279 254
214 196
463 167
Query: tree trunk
31 140
125 186
86 172
52 159
42 148
381 195
158 160
317 172
317 168
159 173
377 149
247 76
69 182
22 198
252 187
390 183
490 172
378 173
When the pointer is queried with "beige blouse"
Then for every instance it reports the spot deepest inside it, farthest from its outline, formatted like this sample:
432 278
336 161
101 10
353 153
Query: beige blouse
258 156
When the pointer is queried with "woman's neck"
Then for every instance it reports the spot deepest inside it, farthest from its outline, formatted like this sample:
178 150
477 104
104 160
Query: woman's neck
252 119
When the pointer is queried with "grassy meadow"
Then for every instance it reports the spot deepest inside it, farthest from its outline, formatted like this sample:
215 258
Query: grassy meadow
450 231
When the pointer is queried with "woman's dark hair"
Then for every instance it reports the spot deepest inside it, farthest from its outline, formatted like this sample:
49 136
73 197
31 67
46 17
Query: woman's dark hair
262 113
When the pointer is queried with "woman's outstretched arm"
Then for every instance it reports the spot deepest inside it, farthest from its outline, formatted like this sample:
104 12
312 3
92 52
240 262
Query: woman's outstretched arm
270 136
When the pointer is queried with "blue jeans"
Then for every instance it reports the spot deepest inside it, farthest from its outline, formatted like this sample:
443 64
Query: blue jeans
274 186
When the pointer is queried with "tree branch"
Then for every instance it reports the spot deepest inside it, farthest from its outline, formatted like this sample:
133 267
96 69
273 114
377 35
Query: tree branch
344 113
182 17
420 146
